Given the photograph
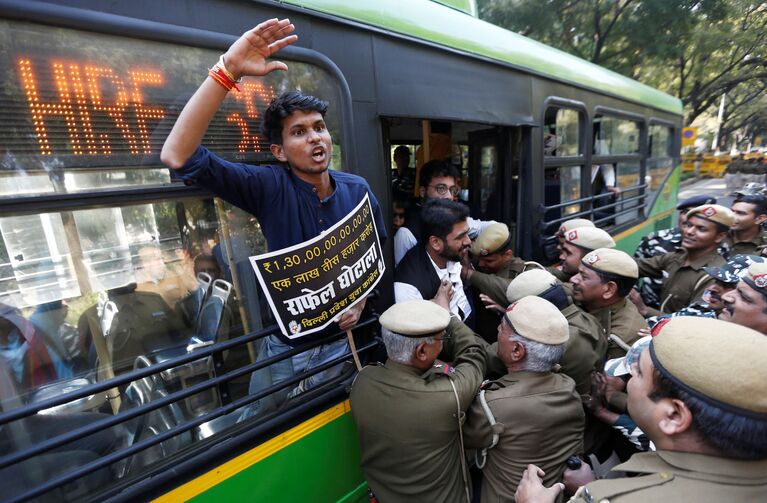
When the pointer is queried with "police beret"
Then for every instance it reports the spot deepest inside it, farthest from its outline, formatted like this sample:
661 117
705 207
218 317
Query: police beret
495 237
756 277
574 223
692 202
539 320
713 213
589 238
415 318
734 269
532 282
714 361
611 261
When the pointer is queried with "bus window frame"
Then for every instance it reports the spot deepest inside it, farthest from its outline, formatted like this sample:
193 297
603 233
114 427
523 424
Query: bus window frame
583 160
675 148
640 157
315 400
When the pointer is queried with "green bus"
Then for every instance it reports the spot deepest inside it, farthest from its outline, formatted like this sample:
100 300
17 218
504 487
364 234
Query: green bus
131 318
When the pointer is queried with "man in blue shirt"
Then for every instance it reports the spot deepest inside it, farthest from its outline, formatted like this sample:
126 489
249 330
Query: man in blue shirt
293 202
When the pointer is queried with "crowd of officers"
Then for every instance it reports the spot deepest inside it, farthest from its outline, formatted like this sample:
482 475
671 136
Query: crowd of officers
604 378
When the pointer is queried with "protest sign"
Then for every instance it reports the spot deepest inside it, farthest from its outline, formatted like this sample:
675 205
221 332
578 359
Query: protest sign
310 284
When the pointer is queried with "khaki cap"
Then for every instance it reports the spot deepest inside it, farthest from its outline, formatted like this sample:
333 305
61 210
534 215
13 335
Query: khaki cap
574 223
533 282
611 261
539 320
713 213
756 277
589 238
415 318
494 238
714 360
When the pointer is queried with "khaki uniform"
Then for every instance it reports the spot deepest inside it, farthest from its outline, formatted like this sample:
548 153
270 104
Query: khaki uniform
493 285
541 419
623 320
753 247
586 348
684 284
680 476
407 424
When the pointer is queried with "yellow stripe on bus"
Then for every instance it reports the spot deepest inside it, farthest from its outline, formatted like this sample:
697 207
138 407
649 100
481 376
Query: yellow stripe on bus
234 466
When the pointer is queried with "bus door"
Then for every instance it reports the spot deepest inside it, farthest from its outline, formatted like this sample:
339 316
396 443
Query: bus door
492 175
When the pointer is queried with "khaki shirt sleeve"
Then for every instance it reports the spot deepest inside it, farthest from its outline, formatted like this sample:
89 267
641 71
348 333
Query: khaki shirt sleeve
491 285
651 267
469 363
476 431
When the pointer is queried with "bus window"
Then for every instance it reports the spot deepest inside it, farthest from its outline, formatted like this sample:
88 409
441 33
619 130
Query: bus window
93 292
563 165
660 161
616 184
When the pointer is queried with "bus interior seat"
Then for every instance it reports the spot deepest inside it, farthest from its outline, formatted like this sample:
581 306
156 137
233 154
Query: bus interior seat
150 424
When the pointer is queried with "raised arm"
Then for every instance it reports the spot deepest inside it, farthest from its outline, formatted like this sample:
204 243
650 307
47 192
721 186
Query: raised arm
246 57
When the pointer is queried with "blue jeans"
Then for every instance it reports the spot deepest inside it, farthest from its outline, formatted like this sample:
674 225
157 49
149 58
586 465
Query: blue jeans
285 369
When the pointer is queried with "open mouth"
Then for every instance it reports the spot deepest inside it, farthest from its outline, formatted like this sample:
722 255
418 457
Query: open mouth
319 154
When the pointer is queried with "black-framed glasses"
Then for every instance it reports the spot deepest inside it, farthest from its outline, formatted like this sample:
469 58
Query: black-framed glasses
443 189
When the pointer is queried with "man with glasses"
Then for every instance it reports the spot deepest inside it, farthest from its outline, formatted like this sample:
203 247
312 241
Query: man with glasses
437 180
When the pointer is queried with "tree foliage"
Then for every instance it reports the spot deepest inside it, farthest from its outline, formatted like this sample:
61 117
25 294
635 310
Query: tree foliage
696 50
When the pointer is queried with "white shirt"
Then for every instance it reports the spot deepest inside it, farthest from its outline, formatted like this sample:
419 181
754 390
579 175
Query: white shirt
406 291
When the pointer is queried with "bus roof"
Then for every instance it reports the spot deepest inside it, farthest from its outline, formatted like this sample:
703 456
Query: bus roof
437 23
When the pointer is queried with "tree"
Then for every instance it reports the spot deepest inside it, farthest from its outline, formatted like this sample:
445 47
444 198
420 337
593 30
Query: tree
696 50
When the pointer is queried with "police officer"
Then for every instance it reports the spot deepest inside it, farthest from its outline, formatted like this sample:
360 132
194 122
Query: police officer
497 267
664 241
578 242
553 249
726 279
587 343
685 279
410 409
604 280
531 414
746 235
747 304
699 395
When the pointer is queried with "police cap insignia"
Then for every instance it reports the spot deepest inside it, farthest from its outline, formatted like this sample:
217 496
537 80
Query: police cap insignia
709 211
760 280
572 235
592 258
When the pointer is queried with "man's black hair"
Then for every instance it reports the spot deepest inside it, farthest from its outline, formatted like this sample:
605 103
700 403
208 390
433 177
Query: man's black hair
438 216
284 105
434 169
402 148
758 200
624 284
733 435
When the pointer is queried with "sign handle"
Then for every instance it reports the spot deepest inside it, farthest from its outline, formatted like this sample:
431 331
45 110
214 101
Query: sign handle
353 347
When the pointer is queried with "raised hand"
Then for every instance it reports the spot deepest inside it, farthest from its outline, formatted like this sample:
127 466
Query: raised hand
248 55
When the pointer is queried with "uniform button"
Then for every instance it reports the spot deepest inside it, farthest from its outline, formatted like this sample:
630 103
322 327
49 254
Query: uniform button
322 221
314 189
